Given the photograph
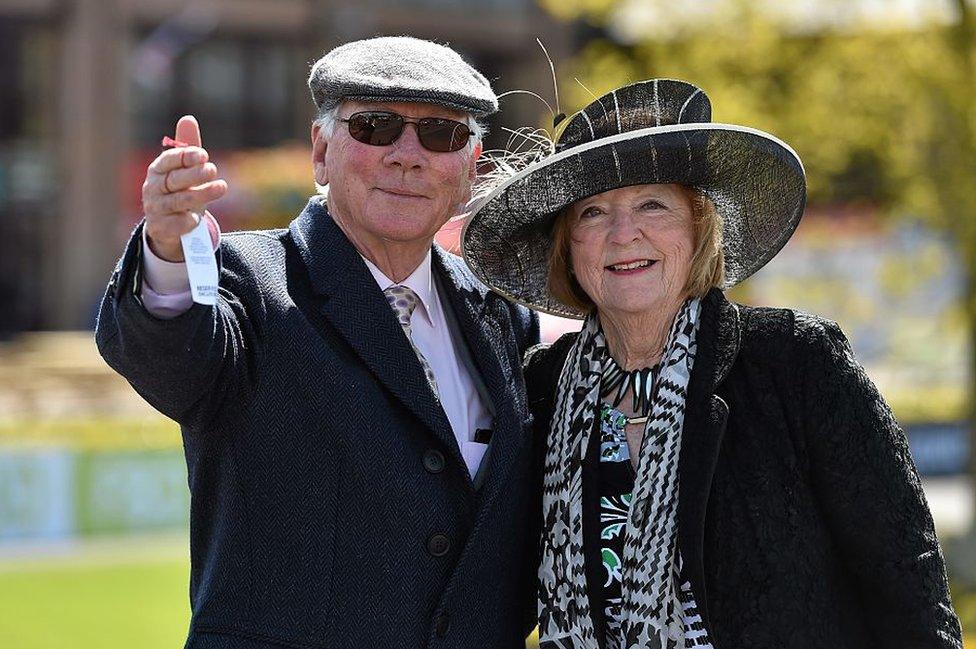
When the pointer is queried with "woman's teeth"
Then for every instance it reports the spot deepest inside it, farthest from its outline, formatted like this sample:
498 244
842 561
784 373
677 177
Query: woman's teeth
632 265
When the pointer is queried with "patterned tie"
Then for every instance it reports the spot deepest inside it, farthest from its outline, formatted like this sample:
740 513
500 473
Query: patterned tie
403 301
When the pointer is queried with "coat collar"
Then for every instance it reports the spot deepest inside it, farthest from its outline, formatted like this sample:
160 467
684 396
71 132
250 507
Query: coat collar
719 339
724 319
480 321
352 302
315 231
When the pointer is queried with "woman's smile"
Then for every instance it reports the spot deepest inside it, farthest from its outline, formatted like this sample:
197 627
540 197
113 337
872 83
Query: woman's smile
635 267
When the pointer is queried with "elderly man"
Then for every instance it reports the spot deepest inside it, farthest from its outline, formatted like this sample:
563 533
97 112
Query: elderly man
352 408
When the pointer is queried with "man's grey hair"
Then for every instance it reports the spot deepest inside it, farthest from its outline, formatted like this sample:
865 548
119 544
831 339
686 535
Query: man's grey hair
329 119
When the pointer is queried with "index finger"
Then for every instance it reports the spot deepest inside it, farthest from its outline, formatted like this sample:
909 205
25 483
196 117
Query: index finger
171 159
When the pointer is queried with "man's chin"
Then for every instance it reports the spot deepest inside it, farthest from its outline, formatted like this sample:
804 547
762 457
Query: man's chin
405 224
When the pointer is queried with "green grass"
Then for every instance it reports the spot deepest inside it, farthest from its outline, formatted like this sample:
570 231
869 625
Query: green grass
109 599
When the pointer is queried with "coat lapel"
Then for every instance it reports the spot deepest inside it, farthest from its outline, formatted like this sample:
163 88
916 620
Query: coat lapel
706 415
353 303
483 332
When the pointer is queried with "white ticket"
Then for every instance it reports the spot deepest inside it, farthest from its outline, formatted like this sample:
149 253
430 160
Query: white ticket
201 263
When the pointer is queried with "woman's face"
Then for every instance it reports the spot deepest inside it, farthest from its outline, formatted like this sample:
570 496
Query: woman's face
631 248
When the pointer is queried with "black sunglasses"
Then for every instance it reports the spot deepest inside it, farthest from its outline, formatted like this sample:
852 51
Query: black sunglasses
382 128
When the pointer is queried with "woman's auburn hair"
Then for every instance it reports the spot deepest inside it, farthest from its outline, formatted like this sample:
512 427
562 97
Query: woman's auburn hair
707 263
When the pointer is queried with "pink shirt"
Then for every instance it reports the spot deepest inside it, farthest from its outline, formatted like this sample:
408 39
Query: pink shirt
166 294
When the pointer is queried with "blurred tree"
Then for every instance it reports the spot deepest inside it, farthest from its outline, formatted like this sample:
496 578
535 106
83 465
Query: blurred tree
881 113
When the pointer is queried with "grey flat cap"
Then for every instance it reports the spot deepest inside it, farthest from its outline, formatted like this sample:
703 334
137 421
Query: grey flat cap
400 68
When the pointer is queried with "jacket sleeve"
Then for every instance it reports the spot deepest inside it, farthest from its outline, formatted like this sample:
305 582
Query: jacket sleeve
189 367
871 496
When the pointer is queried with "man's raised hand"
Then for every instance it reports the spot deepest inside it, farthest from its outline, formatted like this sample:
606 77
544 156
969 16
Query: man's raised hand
179 185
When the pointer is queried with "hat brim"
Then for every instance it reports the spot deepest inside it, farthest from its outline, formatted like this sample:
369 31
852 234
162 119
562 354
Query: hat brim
755 180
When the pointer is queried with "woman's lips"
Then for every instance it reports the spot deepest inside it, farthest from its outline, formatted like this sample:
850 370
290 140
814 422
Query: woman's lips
631 267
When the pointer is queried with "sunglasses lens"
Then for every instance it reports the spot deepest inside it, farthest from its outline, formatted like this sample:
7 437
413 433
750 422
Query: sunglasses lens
378 129
383 128
443 134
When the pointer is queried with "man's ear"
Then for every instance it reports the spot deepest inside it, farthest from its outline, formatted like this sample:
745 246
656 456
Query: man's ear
319 145
473 167
472 175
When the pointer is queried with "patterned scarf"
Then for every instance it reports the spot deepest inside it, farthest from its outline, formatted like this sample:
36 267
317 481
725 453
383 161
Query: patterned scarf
651 611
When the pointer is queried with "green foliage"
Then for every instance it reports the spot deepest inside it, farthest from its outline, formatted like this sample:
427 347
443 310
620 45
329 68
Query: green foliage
593 10
880 115
964 601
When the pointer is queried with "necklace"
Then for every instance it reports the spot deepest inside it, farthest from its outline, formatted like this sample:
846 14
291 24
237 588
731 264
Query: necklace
616 382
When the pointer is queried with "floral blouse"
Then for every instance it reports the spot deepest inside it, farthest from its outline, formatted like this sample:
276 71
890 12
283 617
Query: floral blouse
616 480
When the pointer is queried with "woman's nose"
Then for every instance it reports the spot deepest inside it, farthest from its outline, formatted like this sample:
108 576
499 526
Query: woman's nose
623 228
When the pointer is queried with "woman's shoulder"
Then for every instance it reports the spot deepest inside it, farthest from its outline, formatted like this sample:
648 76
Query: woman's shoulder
783 331
542 364
540 358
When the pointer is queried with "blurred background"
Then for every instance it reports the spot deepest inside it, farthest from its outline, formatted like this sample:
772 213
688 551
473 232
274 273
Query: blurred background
877 96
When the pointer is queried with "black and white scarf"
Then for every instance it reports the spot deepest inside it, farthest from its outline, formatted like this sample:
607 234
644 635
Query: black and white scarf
651 610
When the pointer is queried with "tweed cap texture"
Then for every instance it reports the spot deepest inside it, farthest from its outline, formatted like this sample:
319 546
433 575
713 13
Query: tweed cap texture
402 69
654 131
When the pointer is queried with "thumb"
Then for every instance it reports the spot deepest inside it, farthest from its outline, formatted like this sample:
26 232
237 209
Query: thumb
188 131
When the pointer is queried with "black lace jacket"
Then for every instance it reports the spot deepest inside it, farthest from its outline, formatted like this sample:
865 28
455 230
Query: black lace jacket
802 521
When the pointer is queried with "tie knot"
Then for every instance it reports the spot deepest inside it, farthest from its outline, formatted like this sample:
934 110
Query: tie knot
403 301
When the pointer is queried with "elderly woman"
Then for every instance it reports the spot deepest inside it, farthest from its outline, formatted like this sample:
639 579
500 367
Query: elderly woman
712 474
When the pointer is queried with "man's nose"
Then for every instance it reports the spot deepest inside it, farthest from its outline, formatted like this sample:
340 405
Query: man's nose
407 151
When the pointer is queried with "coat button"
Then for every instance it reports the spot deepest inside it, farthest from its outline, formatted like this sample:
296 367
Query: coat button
434 461
438 545
441 624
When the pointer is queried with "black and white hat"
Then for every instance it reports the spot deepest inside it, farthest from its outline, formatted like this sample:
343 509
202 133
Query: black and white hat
654 131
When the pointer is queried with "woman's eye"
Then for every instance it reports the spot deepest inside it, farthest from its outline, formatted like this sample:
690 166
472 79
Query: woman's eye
589 212
653 205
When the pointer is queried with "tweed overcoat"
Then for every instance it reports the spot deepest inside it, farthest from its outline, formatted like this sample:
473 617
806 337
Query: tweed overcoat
330 505
801 517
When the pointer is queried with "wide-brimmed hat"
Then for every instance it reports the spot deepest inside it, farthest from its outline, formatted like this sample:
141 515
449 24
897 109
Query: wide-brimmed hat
655 131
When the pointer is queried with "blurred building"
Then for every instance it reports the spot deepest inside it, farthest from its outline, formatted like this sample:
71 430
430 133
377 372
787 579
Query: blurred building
88 87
